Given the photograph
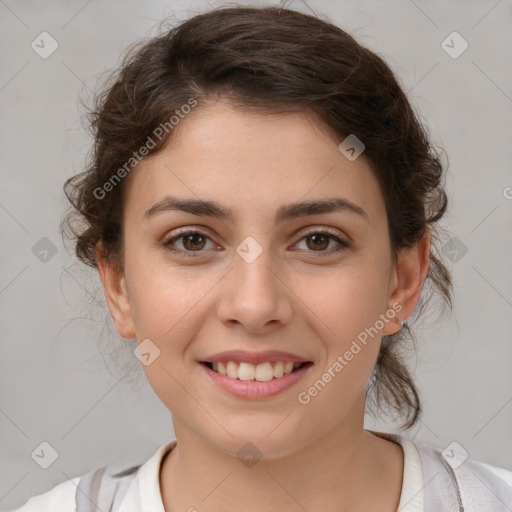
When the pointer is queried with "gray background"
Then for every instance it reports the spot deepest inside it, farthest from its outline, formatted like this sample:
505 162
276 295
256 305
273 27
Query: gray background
55 383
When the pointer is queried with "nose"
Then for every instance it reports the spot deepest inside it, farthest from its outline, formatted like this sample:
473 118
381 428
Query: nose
254 295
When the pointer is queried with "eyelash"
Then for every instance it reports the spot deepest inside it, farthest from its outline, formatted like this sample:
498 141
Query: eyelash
343 245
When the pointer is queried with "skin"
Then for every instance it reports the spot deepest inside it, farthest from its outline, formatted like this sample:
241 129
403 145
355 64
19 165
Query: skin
316 456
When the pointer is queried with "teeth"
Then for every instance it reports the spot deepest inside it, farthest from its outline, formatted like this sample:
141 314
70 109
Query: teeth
261 372
220 367
279 369
232 369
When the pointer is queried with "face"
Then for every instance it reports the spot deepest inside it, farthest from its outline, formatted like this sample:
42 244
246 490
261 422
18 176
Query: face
309 282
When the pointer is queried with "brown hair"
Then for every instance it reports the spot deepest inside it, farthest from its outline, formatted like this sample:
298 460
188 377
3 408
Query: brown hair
270 60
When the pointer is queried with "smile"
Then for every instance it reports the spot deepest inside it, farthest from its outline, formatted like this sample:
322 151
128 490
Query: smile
247 371
246 380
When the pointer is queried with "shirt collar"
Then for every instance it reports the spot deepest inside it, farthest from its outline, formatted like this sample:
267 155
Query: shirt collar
145 492
412 494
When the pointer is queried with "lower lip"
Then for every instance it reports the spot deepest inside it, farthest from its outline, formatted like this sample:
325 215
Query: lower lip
253 389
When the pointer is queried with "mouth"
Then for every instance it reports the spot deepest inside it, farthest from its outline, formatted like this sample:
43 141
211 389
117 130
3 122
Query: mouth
253 382
262 372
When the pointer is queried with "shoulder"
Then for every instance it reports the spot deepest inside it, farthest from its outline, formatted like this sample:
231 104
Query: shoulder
98 489
503 473
61 497
447 479
110 487
478 486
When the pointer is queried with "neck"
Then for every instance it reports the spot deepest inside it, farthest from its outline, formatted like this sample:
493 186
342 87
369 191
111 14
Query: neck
349 469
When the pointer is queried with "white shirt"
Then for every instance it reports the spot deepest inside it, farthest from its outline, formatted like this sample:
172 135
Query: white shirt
143 493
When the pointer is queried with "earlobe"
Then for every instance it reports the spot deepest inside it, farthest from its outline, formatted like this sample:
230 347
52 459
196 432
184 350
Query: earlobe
395 325
411 271
114 287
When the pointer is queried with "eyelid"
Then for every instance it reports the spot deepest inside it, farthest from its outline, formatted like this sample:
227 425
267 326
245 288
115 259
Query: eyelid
320 229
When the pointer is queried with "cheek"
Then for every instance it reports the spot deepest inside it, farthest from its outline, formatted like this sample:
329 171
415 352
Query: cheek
347 300
346 309
167 310
164 300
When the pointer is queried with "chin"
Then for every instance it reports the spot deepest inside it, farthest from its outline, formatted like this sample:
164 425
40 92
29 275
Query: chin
251 447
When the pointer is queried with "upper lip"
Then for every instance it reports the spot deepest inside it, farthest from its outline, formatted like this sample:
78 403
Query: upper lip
254 357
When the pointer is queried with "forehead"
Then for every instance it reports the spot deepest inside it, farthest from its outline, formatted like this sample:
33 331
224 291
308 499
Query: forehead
252 163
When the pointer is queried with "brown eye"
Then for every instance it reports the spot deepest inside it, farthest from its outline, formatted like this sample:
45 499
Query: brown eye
193 242
319 241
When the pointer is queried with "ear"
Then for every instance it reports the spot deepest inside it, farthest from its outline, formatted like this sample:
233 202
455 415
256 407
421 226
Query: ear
114 286
409 276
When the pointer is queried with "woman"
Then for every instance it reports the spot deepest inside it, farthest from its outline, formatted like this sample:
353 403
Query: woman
262 208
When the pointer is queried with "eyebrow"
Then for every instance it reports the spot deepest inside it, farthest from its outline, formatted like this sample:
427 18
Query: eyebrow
284 213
